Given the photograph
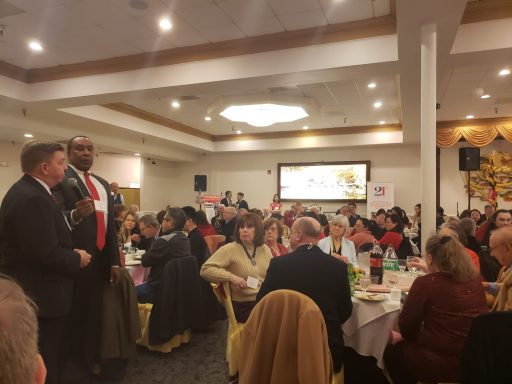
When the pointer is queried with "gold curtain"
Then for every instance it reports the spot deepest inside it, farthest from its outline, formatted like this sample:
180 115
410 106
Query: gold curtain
478 135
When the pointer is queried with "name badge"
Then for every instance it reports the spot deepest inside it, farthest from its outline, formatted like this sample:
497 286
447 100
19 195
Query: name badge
252 282
100 206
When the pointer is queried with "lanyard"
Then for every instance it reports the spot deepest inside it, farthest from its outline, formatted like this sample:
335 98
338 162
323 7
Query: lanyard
252 258
333 248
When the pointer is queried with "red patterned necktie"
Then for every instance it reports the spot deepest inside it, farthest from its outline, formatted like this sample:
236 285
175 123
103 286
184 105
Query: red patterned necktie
100 216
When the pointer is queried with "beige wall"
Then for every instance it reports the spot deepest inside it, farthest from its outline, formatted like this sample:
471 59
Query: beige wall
247 172
121 168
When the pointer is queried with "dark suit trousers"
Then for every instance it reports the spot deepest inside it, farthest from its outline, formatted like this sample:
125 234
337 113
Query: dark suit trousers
51 332
84 325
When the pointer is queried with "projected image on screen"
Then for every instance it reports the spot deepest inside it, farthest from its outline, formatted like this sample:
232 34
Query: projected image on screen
323 181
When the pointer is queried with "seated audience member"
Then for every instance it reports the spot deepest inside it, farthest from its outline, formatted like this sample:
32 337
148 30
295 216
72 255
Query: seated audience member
129 229
257 212
171 245
228 224
353 214
394 229
362 234
149 229
120 212
273 230
401 214
489 210
500 218
454 229
476 216
298 210
198 246
324 224
465 214
160 218
440 217
379 225
501 290
436 317
133 208
218 219
241 212
286 229
469 227
317 275
345 211
242 263
335 244
203 225
20 361
288 218
416 218
276 205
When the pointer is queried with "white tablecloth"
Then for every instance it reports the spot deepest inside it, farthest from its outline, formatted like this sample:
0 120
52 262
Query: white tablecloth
367 330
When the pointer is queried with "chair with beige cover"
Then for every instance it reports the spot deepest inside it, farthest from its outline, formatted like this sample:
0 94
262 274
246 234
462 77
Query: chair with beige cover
233 340
284 341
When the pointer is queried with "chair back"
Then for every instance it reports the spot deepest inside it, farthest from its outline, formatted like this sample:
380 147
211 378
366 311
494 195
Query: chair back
213 242
284 341
178 302
487 355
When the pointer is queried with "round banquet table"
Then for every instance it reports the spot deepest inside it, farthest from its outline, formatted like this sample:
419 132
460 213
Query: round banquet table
367 330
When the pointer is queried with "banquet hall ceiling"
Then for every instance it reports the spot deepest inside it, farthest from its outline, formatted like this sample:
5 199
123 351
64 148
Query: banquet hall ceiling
107 70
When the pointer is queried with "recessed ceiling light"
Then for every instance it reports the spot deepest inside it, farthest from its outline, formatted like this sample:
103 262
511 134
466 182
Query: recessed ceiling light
207 118
470 116
165 24
486 96
382 122
504 72
28 135
377 104
35 46
305 127
372 85
175 104
238 132
136 154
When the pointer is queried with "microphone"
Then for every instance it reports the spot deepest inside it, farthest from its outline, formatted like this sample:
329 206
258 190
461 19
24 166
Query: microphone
76 189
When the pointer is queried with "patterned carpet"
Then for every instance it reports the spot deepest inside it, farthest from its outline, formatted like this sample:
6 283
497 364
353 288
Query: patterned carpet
201 361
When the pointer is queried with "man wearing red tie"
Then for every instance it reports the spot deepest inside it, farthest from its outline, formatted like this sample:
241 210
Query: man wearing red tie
88 207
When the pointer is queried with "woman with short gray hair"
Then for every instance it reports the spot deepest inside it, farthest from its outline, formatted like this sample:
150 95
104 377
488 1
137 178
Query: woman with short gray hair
336 245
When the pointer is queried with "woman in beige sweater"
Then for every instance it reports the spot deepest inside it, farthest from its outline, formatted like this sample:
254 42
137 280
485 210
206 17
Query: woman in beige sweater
242 263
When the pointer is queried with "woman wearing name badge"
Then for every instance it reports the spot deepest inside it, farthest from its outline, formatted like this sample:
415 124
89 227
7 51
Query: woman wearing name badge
243 263
336 245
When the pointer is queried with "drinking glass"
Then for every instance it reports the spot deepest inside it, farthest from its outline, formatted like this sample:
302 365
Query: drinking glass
410 267
401 265
374 280
364 282
391 279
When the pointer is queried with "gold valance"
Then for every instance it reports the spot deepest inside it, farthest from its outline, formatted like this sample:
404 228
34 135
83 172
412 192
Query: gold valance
478 133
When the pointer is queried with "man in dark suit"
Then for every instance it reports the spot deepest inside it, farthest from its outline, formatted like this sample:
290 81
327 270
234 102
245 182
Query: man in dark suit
36 247
240 202
172 244
226 201
93 229
316 274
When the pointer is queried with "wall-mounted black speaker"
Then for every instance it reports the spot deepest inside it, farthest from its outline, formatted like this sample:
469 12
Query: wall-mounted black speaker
469 159
200 183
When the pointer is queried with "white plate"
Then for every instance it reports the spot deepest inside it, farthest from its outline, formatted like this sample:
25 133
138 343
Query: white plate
370 296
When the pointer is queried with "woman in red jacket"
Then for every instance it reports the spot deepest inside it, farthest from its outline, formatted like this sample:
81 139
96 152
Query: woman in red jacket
394 229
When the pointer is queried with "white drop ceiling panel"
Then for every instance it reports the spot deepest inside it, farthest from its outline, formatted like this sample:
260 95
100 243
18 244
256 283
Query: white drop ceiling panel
257 27
245 10
303 20
284 7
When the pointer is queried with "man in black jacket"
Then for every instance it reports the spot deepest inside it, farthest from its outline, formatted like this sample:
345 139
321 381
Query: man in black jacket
36 247
172 244
92 221
316 274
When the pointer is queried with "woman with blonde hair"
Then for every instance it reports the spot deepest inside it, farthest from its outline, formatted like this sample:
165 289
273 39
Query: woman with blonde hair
436 316
335 244
129 230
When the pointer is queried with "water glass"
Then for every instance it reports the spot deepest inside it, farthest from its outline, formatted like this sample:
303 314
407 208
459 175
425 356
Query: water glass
364 282
374 280
402 264
412 268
